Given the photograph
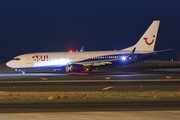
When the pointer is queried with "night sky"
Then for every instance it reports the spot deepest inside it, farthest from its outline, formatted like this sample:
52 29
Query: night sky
58 26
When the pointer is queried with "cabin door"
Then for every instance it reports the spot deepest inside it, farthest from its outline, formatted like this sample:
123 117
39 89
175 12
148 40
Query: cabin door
28 60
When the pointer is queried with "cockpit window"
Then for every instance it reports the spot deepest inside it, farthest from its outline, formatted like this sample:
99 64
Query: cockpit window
16 58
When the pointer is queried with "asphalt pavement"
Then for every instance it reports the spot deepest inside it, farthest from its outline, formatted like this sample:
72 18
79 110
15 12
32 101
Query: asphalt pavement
89 105
138 80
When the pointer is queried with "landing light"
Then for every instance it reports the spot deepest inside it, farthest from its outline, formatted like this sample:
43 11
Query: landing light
123 58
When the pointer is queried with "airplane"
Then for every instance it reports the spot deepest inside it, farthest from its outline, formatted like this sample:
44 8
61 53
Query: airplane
85 61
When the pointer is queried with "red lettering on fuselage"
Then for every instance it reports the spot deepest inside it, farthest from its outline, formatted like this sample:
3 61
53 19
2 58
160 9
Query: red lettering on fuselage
41 57
37 57
47 57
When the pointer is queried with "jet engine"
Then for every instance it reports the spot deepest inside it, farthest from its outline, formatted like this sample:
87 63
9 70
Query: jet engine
74 68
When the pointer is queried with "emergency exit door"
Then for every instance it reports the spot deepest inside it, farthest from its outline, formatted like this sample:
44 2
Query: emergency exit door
135 57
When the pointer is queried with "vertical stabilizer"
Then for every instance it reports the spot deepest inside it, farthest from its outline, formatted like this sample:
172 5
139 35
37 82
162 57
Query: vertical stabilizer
148 40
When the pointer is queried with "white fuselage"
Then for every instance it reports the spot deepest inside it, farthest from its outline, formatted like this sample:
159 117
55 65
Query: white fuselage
59 58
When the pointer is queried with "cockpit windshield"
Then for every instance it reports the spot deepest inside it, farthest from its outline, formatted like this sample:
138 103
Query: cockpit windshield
16 58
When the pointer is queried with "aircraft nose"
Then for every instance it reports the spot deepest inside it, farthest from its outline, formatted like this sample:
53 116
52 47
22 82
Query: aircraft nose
9 64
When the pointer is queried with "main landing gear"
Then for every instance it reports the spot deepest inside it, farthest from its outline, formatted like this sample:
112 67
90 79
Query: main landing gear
89 70
22 71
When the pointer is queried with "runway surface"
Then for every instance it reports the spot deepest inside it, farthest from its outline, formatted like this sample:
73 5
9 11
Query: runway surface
90 105
92 86
138 80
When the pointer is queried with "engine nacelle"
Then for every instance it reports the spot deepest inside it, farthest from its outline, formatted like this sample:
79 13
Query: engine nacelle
74 68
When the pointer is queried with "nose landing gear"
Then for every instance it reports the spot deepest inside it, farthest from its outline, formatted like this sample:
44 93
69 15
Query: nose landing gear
22 72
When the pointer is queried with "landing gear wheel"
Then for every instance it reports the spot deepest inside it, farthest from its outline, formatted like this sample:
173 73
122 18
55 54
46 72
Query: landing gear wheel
90 71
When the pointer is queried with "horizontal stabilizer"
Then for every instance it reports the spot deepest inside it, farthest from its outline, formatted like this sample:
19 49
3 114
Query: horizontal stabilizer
158 51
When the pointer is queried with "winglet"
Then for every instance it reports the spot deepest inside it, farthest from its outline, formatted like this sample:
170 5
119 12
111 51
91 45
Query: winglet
82 49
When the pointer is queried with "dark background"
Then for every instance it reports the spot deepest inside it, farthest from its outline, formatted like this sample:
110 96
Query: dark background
56 26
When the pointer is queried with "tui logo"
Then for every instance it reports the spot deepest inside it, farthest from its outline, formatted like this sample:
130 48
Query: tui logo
148 42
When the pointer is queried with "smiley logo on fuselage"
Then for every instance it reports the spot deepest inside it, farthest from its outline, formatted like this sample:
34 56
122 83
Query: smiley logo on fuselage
148 42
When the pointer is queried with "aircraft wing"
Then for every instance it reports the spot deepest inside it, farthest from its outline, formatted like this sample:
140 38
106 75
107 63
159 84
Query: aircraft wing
97 62
101 62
